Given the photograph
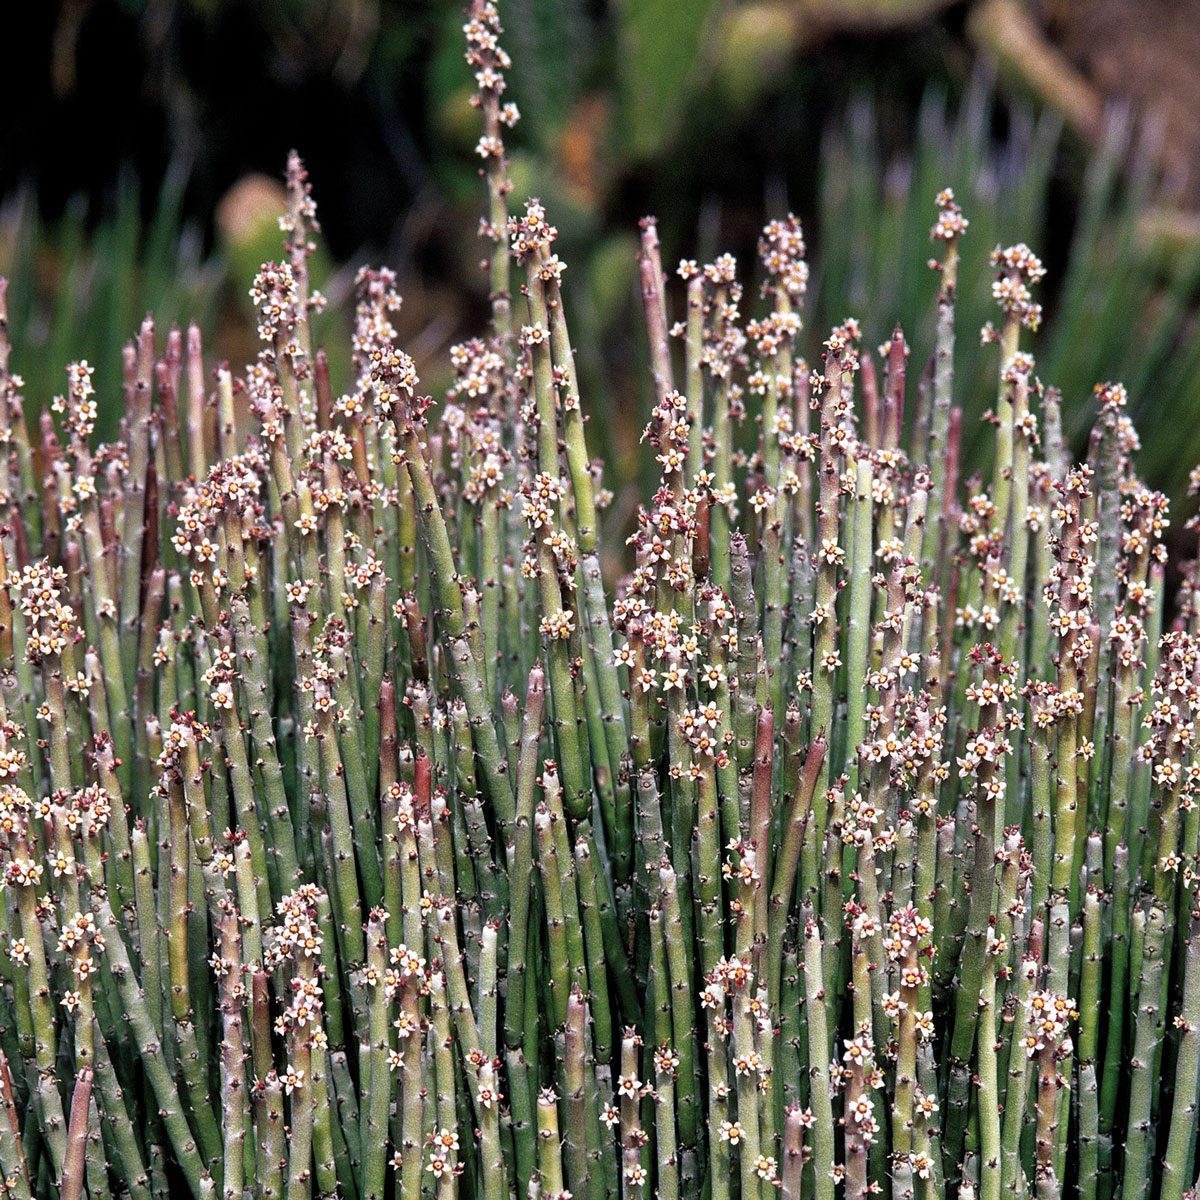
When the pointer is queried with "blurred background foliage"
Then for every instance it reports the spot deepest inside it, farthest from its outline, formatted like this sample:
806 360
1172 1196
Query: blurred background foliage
142 143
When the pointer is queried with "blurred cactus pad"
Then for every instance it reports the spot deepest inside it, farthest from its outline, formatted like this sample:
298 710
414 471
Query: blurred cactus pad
365 832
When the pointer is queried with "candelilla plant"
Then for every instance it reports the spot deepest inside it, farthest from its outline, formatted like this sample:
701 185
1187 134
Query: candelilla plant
360 838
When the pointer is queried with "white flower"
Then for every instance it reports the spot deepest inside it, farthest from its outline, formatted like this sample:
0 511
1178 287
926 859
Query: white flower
445 1139
764 1166
831 552
731 1132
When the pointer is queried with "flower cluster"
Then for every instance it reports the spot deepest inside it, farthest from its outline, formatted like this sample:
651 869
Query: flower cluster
950 220
79 937
489 61
297 934
50 621
298 225
393 378
782 251
321 682
181 737
1017 268
1069 590
89 811
296 940
734 977
906 942
78 408
477 443
858 1072
406 967
531 236
218 515
16 809
375 300
1049 1015
705 729
724 340
443 1154
1170 722
274 296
